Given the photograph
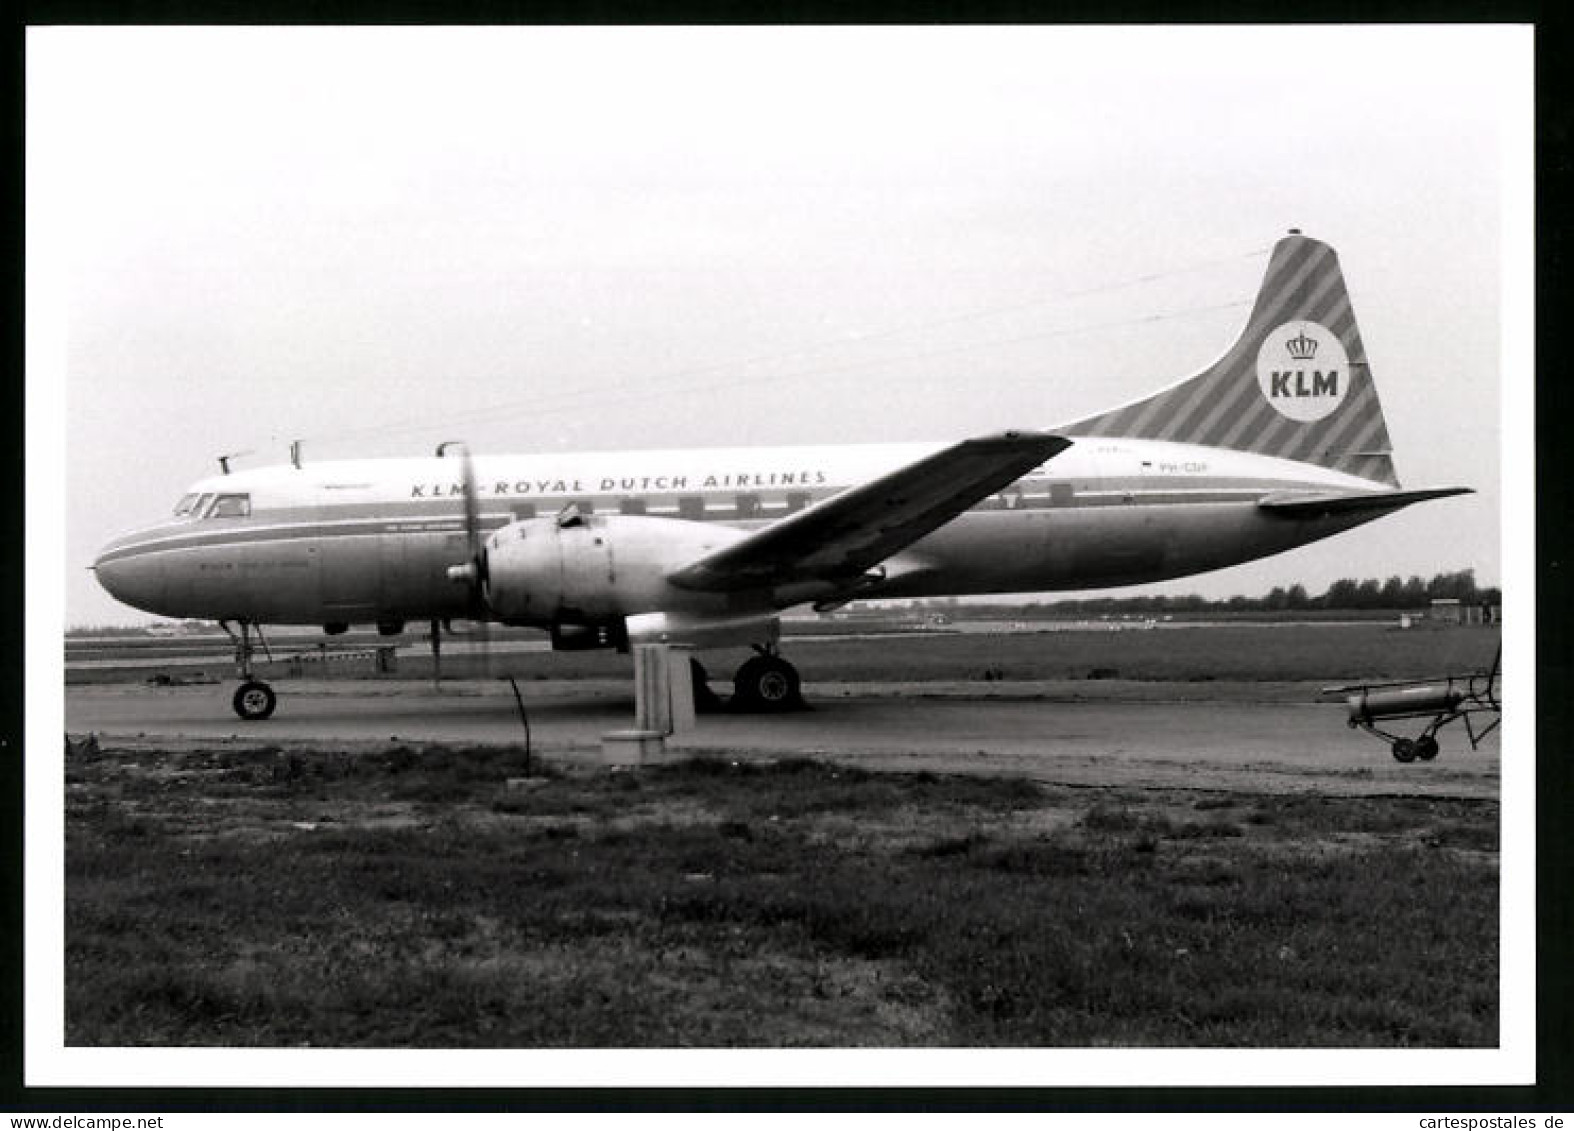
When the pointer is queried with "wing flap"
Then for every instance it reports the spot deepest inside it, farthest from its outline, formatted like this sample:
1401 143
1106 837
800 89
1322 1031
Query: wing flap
844 535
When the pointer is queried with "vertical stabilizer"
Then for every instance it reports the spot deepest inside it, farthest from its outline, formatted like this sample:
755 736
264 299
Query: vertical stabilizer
1295 385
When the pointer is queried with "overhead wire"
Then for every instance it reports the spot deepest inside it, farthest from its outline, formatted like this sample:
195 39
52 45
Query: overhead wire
662 384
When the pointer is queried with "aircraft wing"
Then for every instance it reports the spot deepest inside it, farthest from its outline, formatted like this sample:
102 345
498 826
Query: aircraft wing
1314 504
841 537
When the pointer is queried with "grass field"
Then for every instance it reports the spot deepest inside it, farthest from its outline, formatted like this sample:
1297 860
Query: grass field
239 894
1229 652
1253 652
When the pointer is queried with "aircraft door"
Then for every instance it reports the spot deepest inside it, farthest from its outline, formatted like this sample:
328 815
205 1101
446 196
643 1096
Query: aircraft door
349 575
394 586
349 568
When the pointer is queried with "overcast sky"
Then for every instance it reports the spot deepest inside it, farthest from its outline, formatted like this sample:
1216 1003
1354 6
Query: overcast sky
555 239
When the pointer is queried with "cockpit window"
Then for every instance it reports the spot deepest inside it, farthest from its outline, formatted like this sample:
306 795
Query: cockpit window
200 507
231 506
186 505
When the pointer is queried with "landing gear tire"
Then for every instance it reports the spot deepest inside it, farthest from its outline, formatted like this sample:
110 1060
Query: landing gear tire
1426 748
254 700
1404 750
766 683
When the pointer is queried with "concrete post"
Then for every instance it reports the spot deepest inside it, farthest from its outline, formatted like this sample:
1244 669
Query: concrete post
663 705
652 711
652 699
680 689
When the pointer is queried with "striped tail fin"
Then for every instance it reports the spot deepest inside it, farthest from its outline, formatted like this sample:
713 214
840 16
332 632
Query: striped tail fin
1295 384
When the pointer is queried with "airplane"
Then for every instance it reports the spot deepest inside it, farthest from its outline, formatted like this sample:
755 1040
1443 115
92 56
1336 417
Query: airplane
1278 443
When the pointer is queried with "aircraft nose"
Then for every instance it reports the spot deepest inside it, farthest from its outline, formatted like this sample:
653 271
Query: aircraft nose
135 579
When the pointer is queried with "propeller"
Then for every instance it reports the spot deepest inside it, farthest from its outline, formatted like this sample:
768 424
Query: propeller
473 570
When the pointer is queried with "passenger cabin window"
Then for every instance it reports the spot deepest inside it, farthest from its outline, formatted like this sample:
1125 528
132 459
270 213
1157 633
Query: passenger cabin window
691 507
632 506
748 506
523 511
797 500
231 506
186 505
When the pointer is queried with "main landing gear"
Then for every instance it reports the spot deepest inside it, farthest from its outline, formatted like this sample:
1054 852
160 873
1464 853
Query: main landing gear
766 683
253 700
763 683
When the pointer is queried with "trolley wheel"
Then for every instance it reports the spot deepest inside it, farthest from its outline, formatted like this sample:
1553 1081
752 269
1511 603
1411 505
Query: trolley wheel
254 700
1404 750
1426 747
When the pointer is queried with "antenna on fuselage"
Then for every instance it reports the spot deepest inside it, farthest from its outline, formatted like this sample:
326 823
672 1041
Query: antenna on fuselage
224 460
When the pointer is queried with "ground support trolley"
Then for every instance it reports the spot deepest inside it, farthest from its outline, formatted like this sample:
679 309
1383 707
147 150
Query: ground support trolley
1376 706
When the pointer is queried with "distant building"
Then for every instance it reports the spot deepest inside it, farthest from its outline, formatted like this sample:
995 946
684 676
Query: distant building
1451 610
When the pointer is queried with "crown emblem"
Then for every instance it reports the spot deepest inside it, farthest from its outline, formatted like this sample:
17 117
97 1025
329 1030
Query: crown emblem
1301 347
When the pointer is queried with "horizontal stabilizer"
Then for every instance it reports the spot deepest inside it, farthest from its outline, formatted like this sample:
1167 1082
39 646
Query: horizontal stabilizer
840 537
1315 504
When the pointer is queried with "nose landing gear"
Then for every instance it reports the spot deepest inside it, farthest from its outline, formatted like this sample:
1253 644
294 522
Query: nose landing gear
254 700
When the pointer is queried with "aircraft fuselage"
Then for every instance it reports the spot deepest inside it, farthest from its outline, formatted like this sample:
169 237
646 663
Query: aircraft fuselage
371 541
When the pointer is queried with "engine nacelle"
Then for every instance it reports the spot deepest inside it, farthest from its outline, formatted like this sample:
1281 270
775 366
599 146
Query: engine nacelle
569 637
704 631
597 569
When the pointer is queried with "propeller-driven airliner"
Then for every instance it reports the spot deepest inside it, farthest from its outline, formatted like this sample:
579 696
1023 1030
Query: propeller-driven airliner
1278 443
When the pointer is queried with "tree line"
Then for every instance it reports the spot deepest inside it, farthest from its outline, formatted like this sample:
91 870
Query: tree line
1346 593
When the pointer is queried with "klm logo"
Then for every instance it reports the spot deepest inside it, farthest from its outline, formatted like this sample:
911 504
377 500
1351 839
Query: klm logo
1302 369
1283 383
